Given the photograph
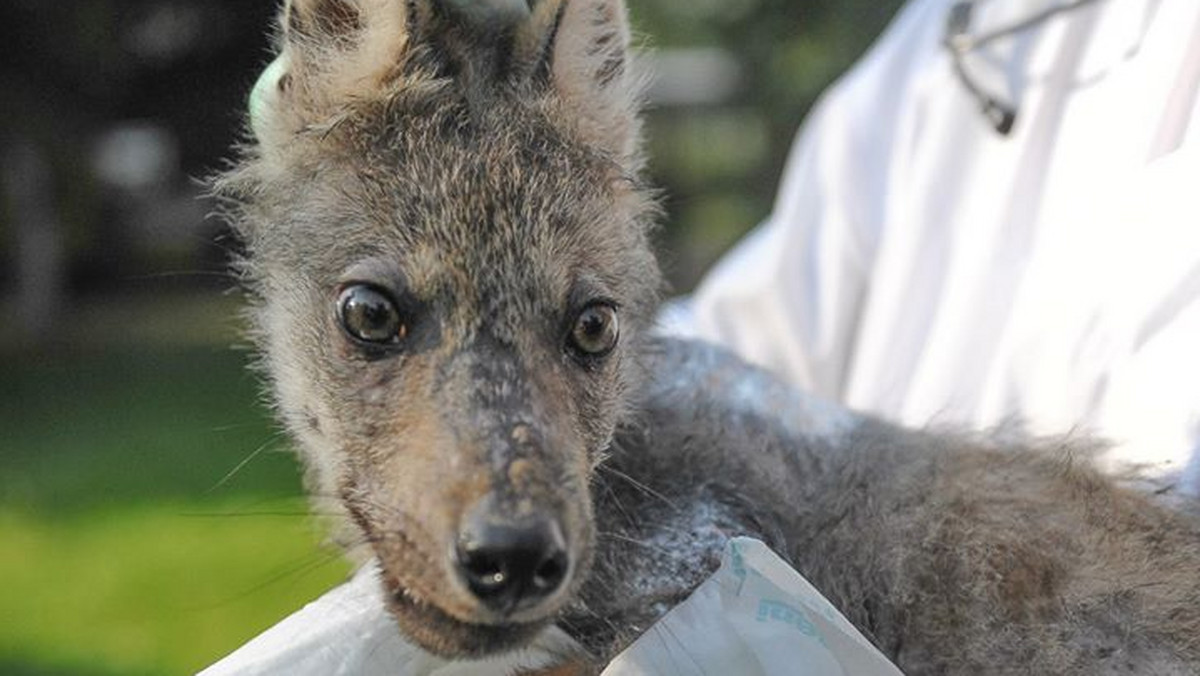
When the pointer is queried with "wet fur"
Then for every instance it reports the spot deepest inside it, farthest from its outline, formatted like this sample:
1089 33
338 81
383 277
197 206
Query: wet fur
488 175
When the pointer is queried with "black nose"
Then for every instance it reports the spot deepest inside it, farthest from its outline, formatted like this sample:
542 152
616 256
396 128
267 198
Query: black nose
511 564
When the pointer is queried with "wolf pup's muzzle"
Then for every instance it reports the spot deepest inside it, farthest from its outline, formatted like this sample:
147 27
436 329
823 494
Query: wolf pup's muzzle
511 563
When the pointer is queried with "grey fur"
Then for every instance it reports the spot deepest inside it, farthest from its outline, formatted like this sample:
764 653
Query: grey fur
488 177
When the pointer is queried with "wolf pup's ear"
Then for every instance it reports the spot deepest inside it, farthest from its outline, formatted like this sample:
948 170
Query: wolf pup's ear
333 52
585 48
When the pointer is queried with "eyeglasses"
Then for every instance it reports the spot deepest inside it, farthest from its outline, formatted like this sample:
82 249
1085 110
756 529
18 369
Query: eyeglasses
959 42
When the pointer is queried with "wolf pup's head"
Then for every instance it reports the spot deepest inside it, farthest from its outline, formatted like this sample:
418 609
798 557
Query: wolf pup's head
446 237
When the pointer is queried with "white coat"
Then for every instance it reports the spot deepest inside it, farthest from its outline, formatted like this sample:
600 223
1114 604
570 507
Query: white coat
921 266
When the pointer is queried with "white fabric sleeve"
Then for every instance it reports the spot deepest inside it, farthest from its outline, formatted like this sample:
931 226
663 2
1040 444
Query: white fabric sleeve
788 296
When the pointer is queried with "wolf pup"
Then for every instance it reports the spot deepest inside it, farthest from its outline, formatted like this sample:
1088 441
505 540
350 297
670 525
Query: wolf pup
446 233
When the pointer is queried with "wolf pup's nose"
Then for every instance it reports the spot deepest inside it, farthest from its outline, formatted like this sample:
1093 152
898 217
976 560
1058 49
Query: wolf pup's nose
511 565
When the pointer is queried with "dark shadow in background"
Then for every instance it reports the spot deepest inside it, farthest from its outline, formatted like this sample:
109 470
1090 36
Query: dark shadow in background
112 108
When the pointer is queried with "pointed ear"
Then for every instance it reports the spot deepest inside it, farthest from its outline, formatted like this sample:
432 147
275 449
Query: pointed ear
332 53
587 46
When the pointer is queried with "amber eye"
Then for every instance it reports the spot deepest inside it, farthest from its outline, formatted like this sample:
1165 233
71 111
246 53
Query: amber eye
370 315
596 330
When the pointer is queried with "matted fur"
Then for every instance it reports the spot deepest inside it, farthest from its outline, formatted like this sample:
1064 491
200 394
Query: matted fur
485 171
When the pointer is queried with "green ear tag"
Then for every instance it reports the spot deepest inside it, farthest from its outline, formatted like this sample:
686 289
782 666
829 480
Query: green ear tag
263 94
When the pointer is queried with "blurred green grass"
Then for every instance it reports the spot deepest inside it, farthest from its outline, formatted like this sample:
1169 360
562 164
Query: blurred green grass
122 551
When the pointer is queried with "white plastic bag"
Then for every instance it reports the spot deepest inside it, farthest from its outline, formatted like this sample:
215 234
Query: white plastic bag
755 615
348 632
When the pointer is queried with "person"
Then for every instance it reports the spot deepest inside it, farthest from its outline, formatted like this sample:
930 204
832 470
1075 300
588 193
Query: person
993 221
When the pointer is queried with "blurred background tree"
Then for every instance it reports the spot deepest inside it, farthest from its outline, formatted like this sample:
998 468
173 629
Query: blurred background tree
124 412
735 79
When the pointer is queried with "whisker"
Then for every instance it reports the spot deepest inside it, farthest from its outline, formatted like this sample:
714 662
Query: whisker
231 428
264 514
639 485
246 461
307 564
632 540
180 274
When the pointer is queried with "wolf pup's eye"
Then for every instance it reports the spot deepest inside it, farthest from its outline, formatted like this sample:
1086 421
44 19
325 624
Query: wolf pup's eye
368 314
596 330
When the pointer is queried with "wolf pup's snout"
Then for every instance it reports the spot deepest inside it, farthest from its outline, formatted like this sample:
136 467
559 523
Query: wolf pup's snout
511 564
